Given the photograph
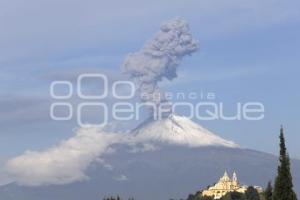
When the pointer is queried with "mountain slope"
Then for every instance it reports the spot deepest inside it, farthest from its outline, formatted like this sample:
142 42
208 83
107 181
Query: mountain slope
164 159
168 172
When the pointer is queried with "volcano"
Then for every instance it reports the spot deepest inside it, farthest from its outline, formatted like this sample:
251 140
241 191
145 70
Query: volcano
162 159
180 130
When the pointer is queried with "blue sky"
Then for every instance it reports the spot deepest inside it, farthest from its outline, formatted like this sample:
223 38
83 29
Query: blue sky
249 51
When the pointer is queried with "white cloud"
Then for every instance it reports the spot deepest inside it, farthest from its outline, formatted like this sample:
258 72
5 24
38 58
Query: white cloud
122 177
61 164
143 147
68 161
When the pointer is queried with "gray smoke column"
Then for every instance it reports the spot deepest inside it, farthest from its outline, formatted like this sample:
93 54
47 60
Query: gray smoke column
159 59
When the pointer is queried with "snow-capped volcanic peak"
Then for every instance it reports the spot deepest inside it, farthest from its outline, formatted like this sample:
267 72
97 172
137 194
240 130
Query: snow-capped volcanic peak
180 130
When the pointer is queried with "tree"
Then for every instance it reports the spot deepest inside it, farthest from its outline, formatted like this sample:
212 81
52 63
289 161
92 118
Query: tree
283 188
196 196
115 198
206 198
268 193
191 197
233 196
251 193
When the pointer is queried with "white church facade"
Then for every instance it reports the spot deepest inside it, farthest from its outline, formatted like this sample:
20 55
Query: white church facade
225 185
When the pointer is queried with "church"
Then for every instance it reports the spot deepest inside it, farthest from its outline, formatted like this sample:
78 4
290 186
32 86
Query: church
225 185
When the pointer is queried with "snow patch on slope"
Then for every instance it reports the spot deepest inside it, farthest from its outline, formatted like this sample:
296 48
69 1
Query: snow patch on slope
180 130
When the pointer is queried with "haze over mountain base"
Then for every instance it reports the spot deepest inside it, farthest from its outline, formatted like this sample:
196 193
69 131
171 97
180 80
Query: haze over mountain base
159 160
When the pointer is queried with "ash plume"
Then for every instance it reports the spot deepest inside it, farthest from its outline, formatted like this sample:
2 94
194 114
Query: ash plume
159 59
